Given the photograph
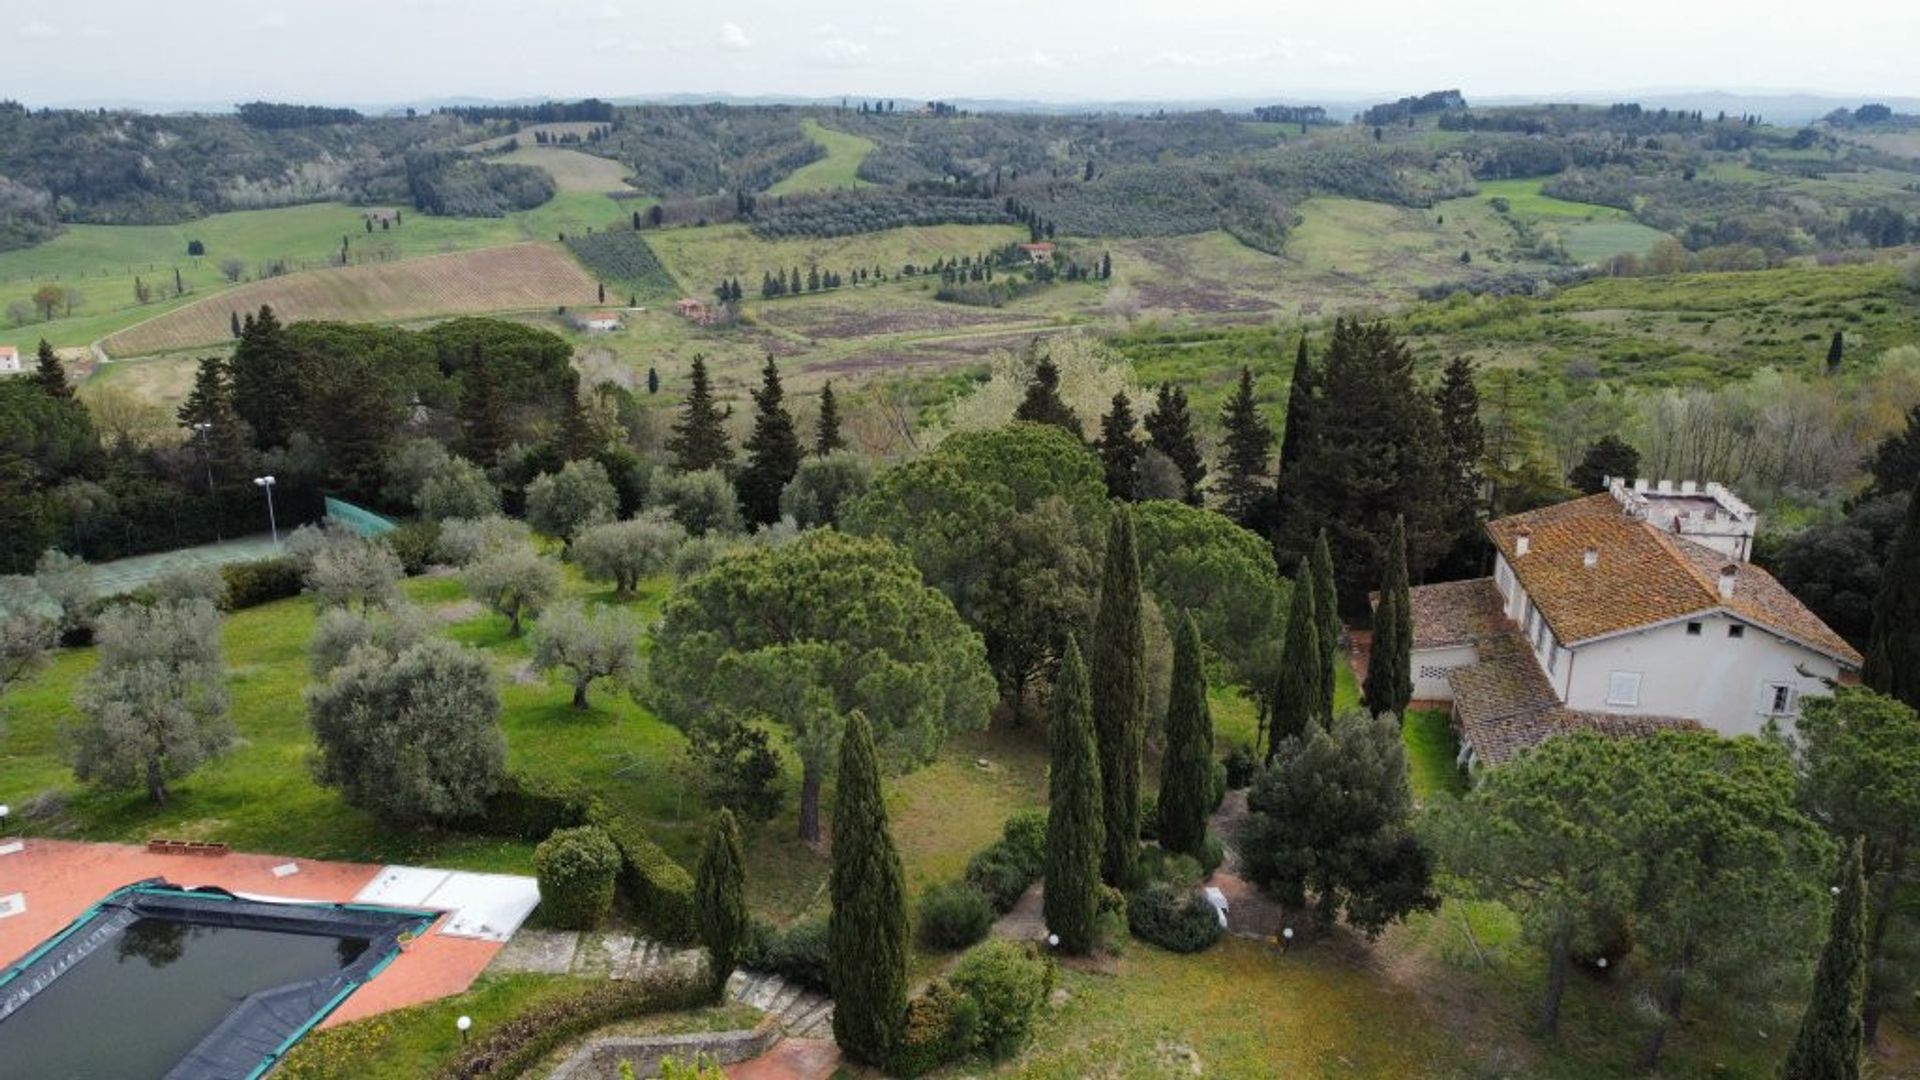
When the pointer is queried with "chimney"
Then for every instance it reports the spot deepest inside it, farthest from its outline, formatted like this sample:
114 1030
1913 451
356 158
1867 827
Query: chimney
1591 558
1728 574
1522 540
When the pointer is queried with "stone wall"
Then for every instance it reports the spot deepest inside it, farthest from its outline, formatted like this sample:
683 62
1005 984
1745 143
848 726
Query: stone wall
600 1059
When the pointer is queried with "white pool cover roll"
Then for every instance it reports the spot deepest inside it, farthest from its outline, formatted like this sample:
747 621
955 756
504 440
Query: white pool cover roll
489 907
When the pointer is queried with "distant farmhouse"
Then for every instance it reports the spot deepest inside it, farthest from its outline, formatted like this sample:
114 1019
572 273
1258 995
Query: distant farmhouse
1624 612
696 310
1041 252
598 322
9 360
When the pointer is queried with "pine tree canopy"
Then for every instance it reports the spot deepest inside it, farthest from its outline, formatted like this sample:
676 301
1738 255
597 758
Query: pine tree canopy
699 439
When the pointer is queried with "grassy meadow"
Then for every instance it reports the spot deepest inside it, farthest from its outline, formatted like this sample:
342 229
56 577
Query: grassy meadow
839 169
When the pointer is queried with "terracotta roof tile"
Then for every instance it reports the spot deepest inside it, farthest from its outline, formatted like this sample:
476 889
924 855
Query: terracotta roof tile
1642 577
1455 613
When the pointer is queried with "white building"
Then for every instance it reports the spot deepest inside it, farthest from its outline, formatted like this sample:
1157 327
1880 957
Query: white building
599 322
9 360
1624 612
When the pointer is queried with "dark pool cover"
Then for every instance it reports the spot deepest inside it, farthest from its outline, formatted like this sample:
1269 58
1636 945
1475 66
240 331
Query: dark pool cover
260 1027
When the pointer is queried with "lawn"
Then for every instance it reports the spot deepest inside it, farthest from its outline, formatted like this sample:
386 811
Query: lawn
1592 233
839 169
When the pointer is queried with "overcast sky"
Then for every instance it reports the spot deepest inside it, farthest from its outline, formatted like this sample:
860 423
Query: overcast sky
366 51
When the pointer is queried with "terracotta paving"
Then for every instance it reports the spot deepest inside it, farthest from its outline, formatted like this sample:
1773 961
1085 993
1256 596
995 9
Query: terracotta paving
62 879
791 1059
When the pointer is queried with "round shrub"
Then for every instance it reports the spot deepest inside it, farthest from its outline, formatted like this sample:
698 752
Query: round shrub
575 868
942 1024
1009 984
1176 919
1026 833
797 953
1216 786
1213 853
1160 866
414 543
1241 767
953 915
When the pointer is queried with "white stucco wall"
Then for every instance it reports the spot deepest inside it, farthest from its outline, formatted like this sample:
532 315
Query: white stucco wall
1433 687
1710 677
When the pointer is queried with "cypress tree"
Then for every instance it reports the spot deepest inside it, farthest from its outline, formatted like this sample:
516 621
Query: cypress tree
1117 662
1186 773
1299 695
1075 838
653 380
1243 458
1462 446
699 439
826 434
1326 609
1389 671
1043 404
720 900
1893 650
1298 433
1836 352
1170 430
1832 1035
50 374
773 450
867 930
1119 452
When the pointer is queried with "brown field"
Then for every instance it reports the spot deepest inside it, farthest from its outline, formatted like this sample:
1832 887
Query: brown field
514 278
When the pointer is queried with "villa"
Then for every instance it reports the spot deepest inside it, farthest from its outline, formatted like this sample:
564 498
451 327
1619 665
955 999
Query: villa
9 360
1623 612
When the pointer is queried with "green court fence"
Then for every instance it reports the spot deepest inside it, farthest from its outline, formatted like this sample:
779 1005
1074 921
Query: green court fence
358 518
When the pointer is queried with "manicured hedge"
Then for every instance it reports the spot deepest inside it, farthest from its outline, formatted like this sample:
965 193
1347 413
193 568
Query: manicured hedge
1176 919
575 869
797 953
519 1043
1003 870
250 584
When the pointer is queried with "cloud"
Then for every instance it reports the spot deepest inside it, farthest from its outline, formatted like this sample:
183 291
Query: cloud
40 30
733 38
841 52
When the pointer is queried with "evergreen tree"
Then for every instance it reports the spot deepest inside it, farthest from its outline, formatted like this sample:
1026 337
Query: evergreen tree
1836 352
699 439
486 430
1895 464
233 320
1243 459
1612 456
1299 427
1389 662
1893 649
773 451
1043 404
1326 609
1075 838
653 380
720 899
826 431
264 391
1118 667
225 441
1299 696
50 375
1832 1034
1186 772
1462 445
1170 431
867 929
1119 451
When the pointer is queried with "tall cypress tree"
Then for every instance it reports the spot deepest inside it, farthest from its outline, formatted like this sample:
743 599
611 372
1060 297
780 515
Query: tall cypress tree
1462 445
1118 666
720 899
50 374
1043 403
1075 837
1893 650
1119 451
264 386
699 439
1186 773
1299 694
1170 430
1243 457
826 432
1298 433
1832 1035
867 929
1326 609
1389 663
1836 352
773 450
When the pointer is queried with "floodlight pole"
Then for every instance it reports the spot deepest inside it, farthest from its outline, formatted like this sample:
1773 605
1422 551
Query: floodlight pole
206 458
265 483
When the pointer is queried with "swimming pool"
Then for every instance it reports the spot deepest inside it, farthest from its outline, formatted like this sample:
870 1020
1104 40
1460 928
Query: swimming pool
169 983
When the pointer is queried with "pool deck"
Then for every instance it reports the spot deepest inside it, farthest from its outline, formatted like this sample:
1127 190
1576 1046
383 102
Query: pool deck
61 879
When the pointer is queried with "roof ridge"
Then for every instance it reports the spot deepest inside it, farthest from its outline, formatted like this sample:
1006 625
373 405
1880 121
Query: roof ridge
1709 587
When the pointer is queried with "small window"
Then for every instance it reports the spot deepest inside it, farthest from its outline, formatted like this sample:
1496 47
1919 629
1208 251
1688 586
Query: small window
1693 629
1736 631
1780 699
1623 688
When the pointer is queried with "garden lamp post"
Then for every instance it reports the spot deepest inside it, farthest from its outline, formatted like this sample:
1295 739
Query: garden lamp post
463 1024
1286 940
265 483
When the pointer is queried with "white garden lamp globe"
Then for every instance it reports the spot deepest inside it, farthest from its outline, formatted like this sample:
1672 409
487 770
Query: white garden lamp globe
463 1024
1053 941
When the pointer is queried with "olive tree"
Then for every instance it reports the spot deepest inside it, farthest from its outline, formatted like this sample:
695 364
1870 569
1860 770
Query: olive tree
457 488
352 569
516 583
468 540
587 645
703 502
154 708
564 503
623 552
805 633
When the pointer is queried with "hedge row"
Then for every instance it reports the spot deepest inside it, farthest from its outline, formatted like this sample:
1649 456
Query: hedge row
518 1043
531 809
